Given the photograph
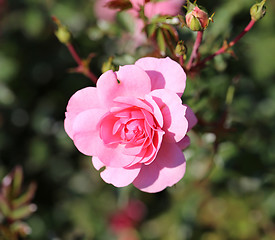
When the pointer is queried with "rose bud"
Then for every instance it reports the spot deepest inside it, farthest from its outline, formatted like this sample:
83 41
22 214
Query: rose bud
196 18
258 10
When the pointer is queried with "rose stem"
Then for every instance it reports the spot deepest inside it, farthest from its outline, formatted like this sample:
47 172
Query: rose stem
224 48
80 63
195 50
181 60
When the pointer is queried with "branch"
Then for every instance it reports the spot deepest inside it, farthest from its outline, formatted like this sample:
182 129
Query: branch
195 50
224 48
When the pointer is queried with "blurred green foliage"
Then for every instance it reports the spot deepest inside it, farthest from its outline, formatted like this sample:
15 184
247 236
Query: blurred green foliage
234 201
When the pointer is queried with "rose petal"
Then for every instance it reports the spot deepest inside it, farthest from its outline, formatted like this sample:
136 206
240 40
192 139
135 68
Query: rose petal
129 81
103 12
184 143
82 100
106 129
191 118
156 111
164 73
120 177
85 133
157 141
125 102
132 150
173 112
97 163
166 170
113 156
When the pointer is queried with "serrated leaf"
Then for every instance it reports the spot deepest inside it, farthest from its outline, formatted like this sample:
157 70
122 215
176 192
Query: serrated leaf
151 29
4 206
173 32
161 42
7 186
22 212
26 197
17 181
160 19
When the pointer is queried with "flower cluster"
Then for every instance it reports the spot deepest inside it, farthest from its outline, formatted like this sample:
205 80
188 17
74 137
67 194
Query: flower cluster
133 123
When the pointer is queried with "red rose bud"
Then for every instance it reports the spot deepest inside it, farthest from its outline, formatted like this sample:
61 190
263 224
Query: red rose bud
196 19
257 11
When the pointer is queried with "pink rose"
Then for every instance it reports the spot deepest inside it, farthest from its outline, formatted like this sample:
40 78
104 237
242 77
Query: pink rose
134 124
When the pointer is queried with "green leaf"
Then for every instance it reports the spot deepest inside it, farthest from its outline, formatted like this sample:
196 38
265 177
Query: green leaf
4 206
159 19
22 212
171 30
17 181
161 42
26 197
108 65
151 29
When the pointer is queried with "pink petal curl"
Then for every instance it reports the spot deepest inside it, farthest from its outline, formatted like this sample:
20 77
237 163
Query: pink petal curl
120 177
82 100
166 170
173 112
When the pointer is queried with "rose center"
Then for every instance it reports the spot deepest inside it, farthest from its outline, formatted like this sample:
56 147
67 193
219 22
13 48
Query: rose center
132 130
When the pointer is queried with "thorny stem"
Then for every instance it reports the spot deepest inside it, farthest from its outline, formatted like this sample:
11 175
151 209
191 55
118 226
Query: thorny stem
225 47
84 69
195 50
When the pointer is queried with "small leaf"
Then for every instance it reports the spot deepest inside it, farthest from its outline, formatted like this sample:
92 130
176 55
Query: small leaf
4 206
160 19
108 65
161 42
151 29
22 212
17 180
26 197
230 95
173 32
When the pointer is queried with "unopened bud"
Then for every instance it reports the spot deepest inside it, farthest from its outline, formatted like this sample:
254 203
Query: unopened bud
180 49
62 32
197 19
258 10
